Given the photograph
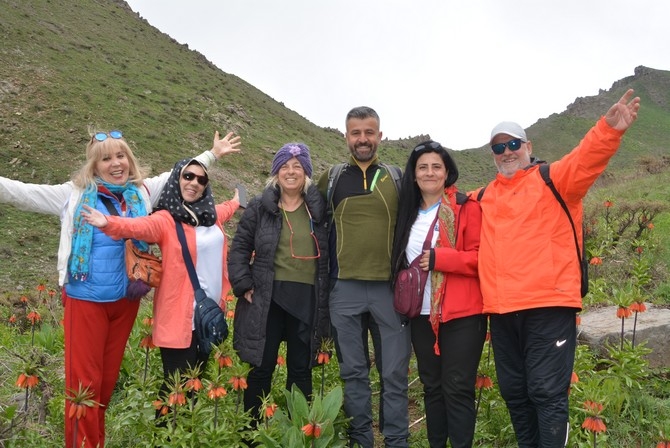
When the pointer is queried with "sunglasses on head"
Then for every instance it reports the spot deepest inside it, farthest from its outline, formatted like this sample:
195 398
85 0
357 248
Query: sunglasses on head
513 145
431 145
102 136
189 176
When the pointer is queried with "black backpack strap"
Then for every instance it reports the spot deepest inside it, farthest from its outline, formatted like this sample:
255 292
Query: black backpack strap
333 176
110 207
581 254
461 198
396 174
480 195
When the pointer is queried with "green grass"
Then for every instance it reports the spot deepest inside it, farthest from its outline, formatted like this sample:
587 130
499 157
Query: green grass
66 65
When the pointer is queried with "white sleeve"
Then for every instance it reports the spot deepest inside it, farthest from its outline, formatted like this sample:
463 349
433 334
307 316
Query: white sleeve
48 199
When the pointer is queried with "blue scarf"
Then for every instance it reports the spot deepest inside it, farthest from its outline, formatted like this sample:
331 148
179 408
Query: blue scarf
82 237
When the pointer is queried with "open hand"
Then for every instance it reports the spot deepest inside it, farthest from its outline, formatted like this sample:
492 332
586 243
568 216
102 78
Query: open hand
226 145
624 112
94 217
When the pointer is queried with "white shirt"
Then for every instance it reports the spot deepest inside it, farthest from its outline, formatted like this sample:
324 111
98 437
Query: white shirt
414 248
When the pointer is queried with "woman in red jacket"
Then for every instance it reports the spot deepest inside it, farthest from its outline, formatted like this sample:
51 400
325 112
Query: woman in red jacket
449 334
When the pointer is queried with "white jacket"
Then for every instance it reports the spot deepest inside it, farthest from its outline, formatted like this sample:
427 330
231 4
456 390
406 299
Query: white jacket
63 199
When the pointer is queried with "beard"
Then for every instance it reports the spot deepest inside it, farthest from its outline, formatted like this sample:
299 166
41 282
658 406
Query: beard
363 153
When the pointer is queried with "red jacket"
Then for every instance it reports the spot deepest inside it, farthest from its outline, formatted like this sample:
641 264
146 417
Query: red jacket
527 257
459 293
173 299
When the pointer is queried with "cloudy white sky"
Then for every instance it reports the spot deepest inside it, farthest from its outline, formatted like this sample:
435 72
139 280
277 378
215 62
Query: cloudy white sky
451 69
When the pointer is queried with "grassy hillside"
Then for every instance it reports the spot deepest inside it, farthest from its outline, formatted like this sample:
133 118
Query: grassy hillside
67 65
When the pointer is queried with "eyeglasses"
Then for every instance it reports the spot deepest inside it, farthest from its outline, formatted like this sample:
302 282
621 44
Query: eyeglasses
189 176
513 145
102 136
431 145
311 233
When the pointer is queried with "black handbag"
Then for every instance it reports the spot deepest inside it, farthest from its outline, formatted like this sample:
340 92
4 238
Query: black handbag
211 327
411 282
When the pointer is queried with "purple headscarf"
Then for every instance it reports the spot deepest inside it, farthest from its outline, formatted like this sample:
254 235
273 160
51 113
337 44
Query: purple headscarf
298 150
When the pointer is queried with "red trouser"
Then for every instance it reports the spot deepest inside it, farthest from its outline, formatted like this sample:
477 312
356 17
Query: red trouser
95 339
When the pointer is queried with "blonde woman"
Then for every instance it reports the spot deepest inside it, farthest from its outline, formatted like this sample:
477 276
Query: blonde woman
99 315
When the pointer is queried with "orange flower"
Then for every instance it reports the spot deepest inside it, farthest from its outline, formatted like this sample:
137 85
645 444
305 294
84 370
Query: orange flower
148 321
24 299
593 407
663 444
230 314
147 342
639 249
12 319
238 382
596 261
483 382
608 204
308 429
574 379
650 226
312 430
27 381
216 391
176 398
41 287
270 410
33 317
77 410
230 298
623 311
281 361
594 424
225 361
52 292
193 384
323 358
639 307
160 406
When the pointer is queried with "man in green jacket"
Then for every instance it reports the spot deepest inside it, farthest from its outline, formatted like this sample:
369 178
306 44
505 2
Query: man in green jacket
364 205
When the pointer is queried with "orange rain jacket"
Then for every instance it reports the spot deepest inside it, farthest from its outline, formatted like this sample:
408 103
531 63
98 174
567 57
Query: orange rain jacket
527 255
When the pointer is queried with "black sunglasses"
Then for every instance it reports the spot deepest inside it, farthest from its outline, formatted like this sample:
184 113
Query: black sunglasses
513 145
189 176
102 136
431 145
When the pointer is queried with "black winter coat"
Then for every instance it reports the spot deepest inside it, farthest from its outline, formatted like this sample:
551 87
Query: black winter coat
258 230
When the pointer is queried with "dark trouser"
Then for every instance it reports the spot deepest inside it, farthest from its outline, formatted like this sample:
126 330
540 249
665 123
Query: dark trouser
179 359
280 325
534 356
350 301
449 379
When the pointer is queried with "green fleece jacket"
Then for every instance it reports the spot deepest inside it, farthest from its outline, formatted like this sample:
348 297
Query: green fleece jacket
365 206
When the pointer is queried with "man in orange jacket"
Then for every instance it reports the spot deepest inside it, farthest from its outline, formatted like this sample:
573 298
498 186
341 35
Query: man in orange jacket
529 273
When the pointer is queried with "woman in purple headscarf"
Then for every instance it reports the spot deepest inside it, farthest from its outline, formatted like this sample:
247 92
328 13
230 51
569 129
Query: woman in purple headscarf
278 266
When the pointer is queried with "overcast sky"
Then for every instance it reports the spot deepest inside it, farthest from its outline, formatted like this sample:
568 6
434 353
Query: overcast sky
451 69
